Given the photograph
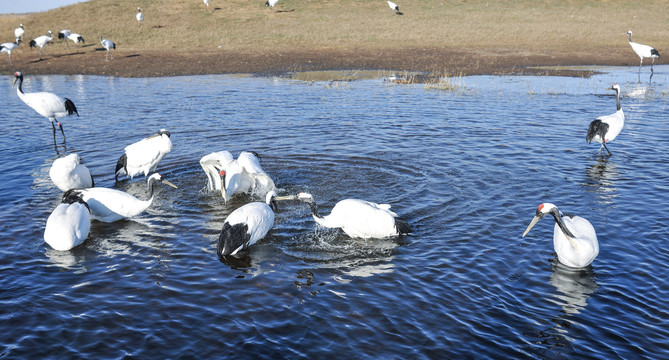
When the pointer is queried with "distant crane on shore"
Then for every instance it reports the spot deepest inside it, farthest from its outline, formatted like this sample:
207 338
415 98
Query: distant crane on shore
271 3
19 32
206 3
8 47
76 38
139 16
41 42
644 51
395 7
108 45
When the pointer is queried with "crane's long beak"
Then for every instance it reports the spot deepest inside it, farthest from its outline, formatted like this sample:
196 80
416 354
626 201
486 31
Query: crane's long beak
287 197
14 82
529 227
169 183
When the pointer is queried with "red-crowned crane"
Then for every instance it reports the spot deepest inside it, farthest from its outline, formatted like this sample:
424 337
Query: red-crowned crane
47 104
144 155
69 172
109 205
230 176
69 223
358 218
605 128
76 38
394 6
139 16
574 238
41 42
19 32
271 3
246 225
108 45
8 47
643 51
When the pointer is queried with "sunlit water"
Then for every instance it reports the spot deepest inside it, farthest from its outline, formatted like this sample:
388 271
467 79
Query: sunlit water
466 168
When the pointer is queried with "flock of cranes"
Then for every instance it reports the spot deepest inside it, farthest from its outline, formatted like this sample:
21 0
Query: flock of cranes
574 239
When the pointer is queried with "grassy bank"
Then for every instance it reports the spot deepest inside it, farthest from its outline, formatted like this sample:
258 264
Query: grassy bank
580 28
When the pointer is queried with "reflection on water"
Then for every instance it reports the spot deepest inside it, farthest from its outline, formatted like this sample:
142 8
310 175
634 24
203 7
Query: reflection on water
574 287
601 177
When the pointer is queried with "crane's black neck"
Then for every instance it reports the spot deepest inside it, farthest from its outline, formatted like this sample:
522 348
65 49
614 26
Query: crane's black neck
314 208
617 99
630 40
558 219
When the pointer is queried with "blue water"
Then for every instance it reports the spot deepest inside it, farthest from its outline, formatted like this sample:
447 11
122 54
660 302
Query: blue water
465 167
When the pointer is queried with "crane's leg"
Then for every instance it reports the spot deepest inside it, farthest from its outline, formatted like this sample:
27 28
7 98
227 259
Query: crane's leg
607 149
651 65
61 130
53 127
640 63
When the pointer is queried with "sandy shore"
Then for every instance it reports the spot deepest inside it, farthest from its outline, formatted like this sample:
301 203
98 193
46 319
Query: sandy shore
90 60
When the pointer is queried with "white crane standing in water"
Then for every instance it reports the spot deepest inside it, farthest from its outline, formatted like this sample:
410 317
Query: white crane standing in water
47 104
144 155
69 172
230 176
605 128
574 238
643 51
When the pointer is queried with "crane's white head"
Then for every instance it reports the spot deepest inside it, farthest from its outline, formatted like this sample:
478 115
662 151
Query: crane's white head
139 10
159 178
615 87
545 209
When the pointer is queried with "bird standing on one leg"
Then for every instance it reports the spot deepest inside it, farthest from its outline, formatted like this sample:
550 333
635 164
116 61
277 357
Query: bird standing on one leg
47 104
644 51
8 47
605 128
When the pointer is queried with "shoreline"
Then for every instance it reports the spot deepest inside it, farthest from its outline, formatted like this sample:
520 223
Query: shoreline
433 63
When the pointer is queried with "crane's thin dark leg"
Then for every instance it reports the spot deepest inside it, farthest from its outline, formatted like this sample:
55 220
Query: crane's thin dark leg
61 131
607 149
53 127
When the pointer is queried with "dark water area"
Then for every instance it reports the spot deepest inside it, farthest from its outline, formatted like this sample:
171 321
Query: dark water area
465 166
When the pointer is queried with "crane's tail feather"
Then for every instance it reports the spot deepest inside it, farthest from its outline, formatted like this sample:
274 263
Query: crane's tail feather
402 226
232 239
70 108
33 43
597 128
654 53
121 165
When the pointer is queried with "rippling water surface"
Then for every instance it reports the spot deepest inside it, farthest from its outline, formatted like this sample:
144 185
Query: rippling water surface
466 168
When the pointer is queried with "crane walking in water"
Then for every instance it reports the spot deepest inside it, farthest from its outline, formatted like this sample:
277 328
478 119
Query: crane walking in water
47 104
574 238
144 155
605 128
69 223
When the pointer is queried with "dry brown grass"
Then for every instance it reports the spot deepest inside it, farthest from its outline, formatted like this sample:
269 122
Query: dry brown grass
489 28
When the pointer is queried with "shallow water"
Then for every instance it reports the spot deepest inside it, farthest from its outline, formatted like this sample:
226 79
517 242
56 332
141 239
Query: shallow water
465 167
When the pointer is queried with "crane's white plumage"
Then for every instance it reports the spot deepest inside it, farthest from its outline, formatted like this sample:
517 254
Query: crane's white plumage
271 3
139 16
47 104
41 42
8 47
246 225
19 32
643 51
108 45
64 34
144 155
109 205
359 218
69 173
605 128
76 38
394 6
574 238
69 223
206 3
230 176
